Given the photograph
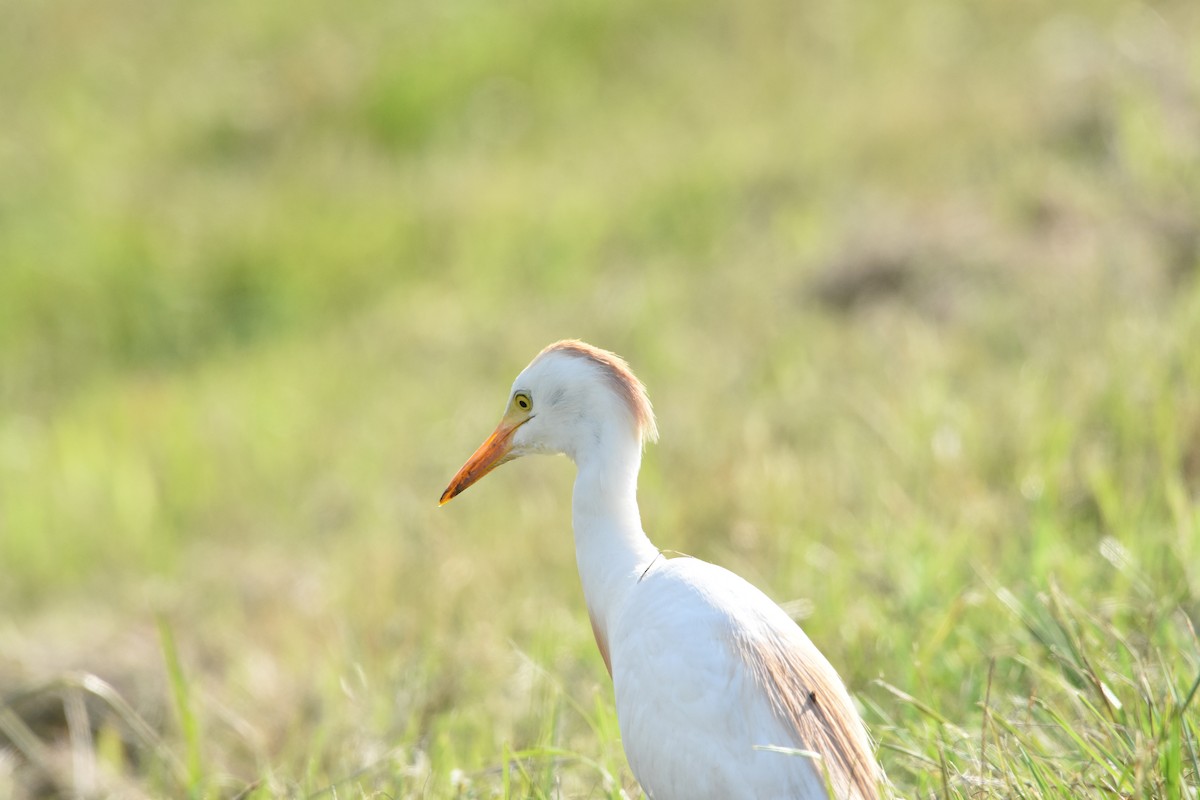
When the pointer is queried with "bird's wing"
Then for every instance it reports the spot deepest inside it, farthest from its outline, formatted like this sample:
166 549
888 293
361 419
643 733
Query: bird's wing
806 693
704 660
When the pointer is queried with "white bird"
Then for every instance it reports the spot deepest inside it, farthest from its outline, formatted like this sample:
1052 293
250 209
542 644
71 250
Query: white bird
719 693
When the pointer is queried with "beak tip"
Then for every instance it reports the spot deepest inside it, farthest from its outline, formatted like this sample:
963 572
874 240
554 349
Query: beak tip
452 491
491 454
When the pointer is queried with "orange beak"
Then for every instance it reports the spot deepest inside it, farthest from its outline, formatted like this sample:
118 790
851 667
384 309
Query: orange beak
495 451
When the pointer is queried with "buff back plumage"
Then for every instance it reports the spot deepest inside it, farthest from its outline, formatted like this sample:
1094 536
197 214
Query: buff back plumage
807 695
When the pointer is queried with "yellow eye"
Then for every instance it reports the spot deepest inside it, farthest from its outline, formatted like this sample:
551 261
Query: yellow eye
523 401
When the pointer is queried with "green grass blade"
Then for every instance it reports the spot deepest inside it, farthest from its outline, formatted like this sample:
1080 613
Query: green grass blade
189 724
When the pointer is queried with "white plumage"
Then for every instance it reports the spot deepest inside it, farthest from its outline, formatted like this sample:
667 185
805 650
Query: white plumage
711 678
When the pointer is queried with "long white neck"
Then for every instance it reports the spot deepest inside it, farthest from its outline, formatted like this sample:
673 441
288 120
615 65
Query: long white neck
611 550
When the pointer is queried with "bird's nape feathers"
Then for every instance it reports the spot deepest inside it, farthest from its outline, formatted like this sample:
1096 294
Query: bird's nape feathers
620 378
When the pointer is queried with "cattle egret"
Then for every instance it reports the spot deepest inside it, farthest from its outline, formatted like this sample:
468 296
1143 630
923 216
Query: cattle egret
719 693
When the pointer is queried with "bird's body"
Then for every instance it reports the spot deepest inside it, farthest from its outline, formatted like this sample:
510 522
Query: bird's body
719 694
683 658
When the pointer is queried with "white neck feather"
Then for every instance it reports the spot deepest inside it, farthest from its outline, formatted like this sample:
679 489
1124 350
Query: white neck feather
611 550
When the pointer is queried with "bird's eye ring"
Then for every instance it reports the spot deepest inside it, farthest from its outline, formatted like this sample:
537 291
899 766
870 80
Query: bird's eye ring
523 401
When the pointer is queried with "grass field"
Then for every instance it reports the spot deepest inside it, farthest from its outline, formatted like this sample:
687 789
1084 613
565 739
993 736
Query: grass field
913 285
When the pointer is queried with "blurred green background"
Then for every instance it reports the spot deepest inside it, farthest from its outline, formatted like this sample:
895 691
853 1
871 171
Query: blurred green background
913 286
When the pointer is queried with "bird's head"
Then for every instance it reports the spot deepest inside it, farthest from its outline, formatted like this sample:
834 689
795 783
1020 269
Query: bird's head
572 398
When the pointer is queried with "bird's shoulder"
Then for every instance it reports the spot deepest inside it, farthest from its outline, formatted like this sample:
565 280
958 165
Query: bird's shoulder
705 592
688 615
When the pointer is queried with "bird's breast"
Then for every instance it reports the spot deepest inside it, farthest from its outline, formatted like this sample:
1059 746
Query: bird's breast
601 641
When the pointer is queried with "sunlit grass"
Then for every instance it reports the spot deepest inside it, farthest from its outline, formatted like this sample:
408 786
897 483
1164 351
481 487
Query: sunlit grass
912 287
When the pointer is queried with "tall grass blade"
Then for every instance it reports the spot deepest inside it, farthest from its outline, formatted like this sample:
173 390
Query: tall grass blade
189 725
